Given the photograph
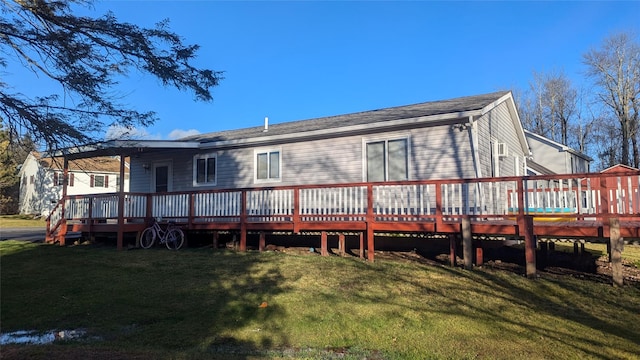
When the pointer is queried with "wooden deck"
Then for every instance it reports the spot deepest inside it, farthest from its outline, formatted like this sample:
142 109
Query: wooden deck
562 206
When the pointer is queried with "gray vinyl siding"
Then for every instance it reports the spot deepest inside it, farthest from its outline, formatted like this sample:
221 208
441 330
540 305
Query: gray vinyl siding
549 156
441 152
497 126
181 170
434 153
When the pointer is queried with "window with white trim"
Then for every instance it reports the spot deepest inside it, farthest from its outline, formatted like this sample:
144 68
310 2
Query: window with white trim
387 160
268 165
99 181
205 169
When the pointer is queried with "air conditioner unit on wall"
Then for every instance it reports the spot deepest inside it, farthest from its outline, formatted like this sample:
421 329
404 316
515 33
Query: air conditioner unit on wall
502 149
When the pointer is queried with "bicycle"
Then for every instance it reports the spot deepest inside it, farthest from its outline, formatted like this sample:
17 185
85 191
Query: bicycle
172 236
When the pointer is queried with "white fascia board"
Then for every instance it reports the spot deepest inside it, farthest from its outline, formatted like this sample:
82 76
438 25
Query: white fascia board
515 118
343 131
125 144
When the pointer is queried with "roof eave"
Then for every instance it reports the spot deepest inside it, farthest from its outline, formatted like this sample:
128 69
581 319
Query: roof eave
515 118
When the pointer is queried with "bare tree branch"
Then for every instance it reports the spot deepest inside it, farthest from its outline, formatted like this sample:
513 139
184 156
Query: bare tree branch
85 56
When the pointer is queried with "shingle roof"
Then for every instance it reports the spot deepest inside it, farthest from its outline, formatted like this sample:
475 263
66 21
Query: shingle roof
462 104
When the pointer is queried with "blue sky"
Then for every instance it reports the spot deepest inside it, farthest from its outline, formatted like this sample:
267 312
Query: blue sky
300 60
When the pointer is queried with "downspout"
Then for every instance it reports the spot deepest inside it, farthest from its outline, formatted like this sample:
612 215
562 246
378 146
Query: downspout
474 139
473 135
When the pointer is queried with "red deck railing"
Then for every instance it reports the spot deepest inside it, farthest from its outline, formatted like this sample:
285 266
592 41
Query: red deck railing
493 205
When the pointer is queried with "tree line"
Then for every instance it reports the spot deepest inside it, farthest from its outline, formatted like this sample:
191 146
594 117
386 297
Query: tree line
599 119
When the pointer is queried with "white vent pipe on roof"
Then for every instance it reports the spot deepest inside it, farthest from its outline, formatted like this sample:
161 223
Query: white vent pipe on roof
266 124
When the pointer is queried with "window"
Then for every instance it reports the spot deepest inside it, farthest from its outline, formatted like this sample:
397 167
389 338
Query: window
99 181
58 179
268 165
204 169
387 160
32 179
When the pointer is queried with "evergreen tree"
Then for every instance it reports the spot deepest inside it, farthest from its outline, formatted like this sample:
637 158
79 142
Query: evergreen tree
86 56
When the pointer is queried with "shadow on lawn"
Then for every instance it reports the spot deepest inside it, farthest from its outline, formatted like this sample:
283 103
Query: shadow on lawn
544 297
555 298
190 302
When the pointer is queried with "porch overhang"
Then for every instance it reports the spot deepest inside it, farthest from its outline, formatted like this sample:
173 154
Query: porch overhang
122 148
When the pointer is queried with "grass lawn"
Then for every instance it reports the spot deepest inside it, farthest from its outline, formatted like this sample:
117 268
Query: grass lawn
202 304
13 221
631 253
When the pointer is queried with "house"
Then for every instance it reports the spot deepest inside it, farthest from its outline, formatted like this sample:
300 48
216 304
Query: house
449 167
550 157
468 137
41 180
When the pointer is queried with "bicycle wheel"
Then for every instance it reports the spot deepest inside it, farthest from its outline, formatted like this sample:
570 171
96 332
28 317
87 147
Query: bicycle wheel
174 239
147 238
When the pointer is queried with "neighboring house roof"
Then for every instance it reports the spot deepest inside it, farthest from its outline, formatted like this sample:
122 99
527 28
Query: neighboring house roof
557 145
619 168
539 169
433 112
97 164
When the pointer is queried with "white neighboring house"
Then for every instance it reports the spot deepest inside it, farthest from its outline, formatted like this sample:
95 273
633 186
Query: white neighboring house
41 180
550 157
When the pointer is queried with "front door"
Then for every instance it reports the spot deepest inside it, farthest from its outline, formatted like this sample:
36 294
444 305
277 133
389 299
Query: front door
161 177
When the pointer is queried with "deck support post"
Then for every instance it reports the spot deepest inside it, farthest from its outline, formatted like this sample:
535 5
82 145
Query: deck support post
479 253
452 250
216 237
120 238
467 245
525 223
544 252
341 244
370 219
261 242
576 251
323 244
370 246
617 245
361 245
243 222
